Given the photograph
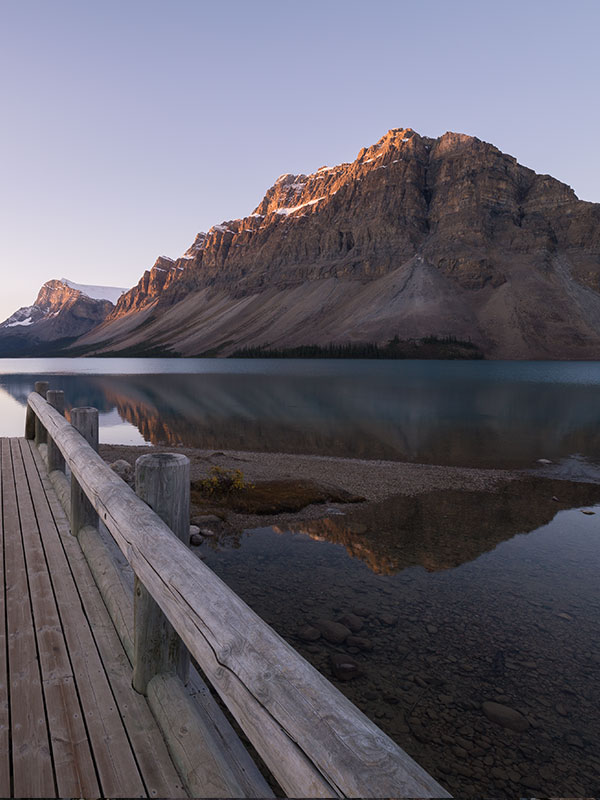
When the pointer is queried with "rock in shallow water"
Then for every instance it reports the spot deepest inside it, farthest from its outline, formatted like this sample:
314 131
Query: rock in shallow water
309 634
332 631
343 667
359 641
505 716
351 621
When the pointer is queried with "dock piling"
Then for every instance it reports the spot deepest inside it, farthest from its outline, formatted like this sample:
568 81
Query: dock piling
56 398
163 482
39 432
85 420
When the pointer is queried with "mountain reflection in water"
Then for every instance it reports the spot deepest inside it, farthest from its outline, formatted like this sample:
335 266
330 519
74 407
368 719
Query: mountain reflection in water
460 414
436 530
457 607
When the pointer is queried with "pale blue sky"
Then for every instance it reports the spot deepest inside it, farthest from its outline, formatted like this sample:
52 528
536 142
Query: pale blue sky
129 126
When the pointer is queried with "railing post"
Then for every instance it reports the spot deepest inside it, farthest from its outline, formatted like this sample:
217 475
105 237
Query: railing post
41 387
56 398
85 420
163 482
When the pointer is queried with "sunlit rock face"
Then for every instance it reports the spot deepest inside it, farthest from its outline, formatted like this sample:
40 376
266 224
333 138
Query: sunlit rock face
416 237
62 311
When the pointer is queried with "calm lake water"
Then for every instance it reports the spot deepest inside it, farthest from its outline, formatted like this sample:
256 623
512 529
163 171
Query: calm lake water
505 414
459 598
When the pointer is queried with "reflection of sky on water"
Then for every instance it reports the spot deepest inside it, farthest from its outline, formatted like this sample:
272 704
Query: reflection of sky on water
505 414
12 415
115 430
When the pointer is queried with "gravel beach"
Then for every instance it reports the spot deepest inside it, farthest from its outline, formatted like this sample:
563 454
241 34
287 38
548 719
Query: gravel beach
373 480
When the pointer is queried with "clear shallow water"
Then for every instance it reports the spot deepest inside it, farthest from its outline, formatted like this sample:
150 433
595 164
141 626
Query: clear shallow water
465 598
505 414
460 606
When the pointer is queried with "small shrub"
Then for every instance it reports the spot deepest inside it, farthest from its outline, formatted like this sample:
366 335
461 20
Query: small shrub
221 481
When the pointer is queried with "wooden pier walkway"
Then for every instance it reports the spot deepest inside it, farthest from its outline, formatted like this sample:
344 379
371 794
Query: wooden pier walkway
104 680
72 725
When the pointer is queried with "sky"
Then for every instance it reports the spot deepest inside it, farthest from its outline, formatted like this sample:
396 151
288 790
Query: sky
129 126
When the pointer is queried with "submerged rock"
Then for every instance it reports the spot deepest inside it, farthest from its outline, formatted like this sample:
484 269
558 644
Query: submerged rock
351 621
505 716
360 642
334 632
308 633
343 667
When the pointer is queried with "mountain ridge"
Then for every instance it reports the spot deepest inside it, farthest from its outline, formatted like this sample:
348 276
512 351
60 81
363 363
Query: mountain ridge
416 237
62 311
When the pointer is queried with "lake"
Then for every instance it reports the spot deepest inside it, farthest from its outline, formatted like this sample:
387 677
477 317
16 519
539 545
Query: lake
496 414
459 599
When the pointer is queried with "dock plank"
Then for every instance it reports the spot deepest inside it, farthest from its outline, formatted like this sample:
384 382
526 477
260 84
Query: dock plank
112 752
71 756
153 760
5 788
33 774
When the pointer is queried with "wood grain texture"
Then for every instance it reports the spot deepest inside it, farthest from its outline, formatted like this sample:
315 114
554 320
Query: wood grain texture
31 762
55 459
41 387
29 423
194 744
71 755
162 481
115 762
5 788
118 596
115 592
85 421
133 751
314 740
62 487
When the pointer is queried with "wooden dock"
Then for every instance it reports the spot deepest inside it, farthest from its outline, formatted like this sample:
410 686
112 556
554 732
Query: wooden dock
74 643
72 725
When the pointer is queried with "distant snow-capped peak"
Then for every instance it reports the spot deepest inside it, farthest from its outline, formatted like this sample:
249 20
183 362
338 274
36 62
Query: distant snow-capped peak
110 293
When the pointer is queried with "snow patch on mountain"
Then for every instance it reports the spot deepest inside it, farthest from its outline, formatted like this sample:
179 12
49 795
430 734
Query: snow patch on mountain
23 317
110 293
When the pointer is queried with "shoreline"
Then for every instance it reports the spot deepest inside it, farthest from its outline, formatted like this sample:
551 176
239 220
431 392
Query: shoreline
375 481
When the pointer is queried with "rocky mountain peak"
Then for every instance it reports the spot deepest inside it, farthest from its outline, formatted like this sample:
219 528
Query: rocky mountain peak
196 246
416 237
62 311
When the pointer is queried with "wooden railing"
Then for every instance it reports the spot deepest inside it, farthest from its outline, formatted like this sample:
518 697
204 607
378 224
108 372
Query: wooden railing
314 741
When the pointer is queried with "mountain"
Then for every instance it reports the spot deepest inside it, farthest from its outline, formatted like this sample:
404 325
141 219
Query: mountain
417 238
62 312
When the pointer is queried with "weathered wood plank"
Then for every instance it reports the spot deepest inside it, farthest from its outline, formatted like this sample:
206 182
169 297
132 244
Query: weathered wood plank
85 421
112 752
31 762
41 387
56 398
162 481
119 603
314 740
117 596
194 745
153 759
62 487
5 788
71 756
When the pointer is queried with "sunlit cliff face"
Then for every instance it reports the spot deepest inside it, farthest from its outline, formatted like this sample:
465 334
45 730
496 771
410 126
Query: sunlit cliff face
416 237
